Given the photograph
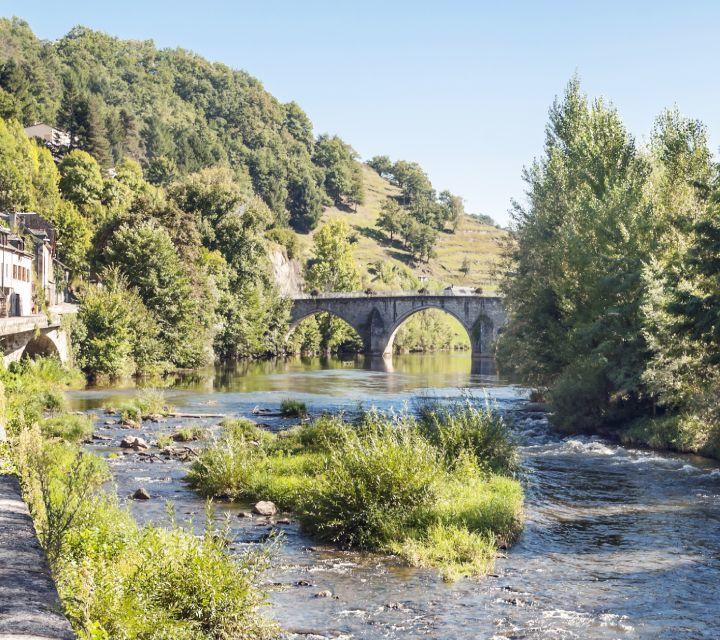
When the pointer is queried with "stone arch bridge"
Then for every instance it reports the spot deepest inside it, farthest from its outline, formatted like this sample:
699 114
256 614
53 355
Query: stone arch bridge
377 317
36 335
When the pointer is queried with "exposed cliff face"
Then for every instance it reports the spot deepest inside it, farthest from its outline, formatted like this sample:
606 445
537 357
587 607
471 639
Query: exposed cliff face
287 273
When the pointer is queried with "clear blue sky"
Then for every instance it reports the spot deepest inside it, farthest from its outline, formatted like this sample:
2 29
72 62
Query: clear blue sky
461 87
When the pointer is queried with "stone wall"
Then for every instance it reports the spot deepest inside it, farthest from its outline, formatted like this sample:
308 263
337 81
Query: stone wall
30 608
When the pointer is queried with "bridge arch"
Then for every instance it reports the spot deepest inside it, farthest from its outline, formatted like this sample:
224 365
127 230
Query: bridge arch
401 320
40 345
298 319
377 317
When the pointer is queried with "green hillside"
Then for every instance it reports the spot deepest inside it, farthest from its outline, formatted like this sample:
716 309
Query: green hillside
482 244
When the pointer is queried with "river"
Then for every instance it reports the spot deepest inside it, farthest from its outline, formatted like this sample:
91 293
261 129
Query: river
618 543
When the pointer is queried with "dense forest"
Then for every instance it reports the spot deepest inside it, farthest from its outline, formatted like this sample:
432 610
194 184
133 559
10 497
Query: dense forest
613 283
180 175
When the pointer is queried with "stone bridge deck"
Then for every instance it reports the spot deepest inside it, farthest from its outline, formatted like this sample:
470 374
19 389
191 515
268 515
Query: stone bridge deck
39 334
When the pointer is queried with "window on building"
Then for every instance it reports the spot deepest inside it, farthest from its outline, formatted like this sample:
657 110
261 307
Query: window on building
14 272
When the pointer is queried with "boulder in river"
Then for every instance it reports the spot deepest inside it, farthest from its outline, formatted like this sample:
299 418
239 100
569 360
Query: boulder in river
324 594
133 442
141 494
265 508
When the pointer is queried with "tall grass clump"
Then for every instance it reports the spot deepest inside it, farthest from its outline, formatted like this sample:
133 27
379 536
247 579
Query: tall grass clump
293 409
147 403
437 490
479 431
116 579
34 390
376 489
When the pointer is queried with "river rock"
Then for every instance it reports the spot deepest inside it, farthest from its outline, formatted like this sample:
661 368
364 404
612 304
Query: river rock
245 514
265 508
133 442
324 594
540 407
141 494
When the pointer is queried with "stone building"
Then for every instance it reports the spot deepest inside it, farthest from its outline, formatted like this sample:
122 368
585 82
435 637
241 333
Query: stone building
31 276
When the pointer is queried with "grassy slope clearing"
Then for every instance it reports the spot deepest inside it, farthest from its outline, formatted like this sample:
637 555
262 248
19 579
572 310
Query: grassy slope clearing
481 243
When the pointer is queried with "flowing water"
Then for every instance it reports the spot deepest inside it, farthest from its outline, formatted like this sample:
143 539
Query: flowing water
618 543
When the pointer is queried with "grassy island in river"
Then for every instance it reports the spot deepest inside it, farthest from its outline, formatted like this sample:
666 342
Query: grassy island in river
436 490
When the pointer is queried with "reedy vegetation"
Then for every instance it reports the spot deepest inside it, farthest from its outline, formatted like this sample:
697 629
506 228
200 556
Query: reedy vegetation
436 490
116 579
612 281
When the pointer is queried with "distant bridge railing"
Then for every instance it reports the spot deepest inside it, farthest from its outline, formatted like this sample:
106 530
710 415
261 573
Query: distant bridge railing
390 294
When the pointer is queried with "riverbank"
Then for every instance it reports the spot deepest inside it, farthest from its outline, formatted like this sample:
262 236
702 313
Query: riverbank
115 578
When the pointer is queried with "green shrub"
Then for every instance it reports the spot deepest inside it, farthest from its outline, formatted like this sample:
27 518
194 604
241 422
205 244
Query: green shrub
375 488
285 238
33 388
327 433
479 431
71 428
427 490
293 409
244 429
59 484
686 432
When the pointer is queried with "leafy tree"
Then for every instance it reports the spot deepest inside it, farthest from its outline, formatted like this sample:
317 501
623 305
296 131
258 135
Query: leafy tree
342 175
420 240
382 164
298 125
115 335
465 266
16 168
681 276
161 171
574 288
75 235
392 218
147 258
211 193
46 179
332 267
453 209
305 198
413 182
14 81
10 107
81 181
